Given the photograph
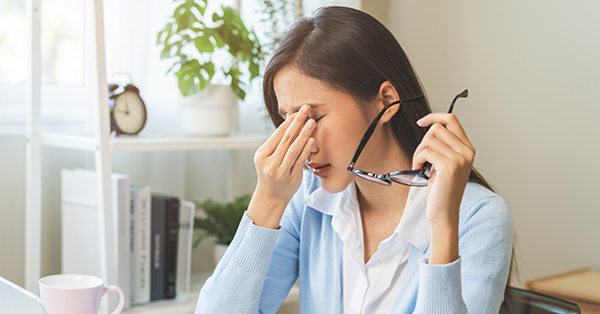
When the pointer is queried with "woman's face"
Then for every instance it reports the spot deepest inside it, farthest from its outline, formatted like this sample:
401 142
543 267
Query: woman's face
340 125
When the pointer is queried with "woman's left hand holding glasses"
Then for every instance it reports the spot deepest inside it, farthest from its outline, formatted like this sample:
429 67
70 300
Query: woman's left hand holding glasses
446 147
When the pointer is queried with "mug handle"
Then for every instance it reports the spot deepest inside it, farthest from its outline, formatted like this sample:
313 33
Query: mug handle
121 297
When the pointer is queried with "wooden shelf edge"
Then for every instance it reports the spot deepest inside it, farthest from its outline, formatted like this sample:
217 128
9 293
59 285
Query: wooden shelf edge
68 141
185 143
140 144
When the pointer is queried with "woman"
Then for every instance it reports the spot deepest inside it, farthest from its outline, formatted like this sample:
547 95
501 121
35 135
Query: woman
357 245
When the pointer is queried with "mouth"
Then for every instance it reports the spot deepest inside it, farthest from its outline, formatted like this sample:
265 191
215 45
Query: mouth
319 169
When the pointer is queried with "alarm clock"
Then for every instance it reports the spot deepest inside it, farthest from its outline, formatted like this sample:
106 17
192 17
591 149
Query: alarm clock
127 109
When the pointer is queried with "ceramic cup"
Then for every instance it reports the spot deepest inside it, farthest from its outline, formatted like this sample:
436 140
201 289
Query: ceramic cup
75 294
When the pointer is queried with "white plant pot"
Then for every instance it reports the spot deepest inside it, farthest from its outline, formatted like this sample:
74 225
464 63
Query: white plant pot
209 112
220 251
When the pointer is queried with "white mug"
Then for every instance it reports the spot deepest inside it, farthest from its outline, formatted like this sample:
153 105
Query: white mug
75 294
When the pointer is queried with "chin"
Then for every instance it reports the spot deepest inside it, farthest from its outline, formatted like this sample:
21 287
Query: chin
334 184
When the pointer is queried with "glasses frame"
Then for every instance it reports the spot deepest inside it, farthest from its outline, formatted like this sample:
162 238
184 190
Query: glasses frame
387 179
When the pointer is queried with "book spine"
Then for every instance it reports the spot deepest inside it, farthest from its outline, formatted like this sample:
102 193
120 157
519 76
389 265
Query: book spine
184 248
133 248
158 240
172 227
143 247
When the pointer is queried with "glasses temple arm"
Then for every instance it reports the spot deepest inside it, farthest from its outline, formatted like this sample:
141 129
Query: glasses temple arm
464 94
368 133
371 129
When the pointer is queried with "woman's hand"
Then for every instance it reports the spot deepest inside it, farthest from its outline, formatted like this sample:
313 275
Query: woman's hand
279 163
446 147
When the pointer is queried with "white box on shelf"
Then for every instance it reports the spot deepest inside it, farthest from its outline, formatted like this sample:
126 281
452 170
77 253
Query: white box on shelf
81 231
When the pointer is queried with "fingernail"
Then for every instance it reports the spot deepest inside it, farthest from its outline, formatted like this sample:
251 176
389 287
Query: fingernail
419 121
311 141
305 108
310 123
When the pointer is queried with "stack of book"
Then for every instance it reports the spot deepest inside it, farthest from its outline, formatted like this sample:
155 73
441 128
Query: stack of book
152 232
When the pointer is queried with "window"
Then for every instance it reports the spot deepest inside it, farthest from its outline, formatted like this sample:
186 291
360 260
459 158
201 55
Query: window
62 41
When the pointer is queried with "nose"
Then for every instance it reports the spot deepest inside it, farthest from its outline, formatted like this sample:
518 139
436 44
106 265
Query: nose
315 148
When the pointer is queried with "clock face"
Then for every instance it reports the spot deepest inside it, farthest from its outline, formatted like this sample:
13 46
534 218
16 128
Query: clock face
129 113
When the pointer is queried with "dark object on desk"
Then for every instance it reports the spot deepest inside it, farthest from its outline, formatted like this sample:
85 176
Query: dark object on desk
529 302
164 231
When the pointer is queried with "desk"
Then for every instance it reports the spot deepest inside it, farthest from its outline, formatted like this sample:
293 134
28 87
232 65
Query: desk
188 307
581 287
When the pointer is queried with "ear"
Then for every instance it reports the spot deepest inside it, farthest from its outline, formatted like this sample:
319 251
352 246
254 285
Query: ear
387 95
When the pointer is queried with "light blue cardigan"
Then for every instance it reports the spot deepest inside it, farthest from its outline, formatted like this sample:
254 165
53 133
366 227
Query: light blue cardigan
261 265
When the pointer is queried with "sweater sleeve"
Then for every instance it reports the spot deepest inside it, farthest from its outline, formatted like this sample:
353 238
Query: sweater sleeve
259 267
475 282
237 282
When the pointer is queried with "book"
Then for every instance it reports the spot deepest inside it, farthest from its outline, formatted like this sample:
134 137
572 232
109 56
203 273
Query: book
165 230
140 230
187 213
157 269
81 231
172 228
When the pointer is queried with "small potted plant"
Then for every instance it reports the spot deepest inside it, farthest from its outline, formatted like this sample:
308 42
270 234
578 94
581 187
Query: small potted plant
220 220
214 62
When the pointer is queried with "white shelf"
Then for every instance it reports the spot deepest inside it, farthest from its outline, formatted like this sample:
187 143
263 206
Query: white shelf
197 281
142 143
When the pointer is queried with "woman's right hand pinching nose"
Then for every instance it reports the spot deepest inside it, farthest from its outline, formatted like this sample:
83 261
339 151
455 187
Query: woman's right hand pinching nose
279 162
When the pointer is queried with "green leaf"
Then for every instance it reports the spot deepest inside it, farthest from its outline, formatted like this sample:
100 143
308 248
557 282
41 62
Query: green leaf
209 67
184 85
240 93
201 9
203 44
221 219
253 68
166 52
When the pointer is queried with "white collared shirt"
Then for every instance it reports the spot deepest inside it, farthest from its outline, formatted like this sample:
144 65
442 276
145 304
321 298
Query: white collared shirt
373 287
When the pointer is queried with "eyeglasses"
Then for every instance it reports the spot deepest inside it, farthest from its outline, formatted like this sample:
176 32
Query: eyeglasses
407 177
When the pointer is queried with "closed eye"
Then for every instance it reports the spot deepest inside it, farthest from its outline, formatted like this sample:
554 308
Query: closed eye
319 118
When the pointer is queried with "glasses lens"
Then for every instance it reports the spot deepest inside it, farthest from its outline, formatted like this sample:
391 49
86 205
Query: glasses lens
409 179
370 178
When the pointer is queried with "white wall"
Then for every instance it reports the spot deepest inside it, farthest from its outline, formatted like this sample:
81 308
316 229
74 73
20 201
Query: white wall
533 70
190 175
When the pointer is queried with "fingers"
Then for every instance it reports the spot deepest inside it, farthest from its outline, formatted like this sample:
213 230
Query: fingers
299 147
296 126
444 142
449 121
440 154
301 160
285 134
269 146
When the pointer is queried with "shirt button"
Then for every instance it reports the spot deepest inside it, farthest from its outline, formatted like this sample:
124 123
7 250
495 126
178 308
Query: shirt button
362 281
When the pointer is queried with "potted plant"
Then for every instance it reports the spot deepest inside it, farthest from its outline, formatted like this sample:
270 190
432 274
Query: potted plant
209 60
220 220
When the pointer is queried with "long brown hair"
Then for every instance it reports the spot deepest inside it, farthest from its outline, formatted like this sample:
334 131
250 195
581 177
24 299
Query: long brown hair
351 51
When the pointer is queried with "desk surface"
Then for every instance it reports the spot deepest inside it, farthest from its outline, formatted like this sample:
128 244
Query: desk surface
581 285
187 307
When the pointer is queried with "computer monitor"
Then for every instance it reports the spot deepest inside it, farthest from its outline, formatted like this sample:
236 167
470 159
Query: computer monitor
16 300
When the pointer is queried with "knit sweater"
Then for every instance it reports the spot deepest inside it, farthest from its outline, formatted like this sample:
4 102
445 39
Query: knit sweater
261 265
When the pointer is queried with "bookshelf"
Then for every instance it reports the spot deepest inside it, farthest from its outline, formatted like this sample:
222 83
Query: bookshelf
102 144
142 143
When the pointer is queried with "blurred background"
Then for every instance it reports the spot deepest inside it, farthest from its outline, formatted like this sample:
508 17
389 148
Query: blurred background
532 69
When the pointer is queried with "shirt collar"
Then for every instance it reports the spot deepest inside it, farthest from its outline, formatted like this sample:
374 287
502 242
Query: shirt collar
413 225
